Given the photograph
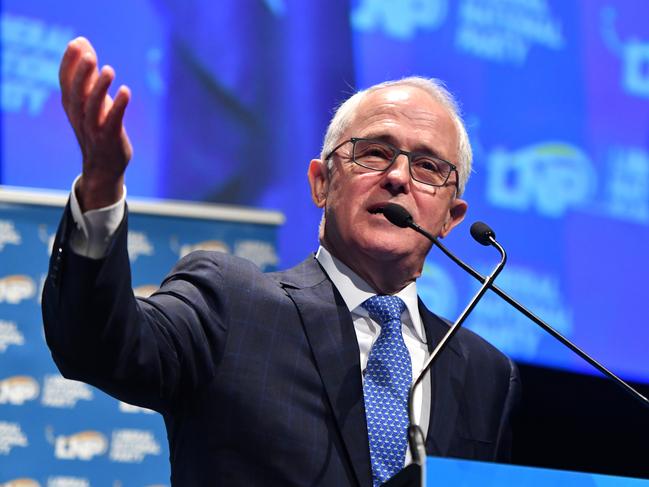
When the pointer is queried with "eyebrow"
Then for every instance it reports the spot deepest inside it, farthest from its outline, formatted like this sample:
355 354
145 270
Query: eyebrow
383 137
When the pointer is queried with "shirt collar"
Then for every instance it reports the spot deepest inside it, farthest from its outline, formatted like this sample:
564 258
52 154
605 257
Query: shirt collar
355 291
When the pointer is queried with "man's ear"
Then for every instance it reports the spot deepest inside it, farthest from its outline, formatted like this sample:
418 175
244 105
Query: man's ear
318 175
456 214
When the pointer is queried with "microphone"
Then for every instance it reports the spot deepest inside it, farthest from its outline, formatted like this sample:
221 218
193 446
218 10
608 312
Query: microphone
397 215
482 233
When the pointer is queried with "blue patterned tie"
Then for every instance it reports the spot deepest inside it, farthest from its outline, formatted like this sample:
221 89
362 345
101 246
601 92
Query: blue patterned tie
387 379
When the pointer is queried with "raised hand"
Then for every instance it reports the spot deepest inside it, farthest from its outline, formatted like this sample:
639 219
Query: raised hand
97 120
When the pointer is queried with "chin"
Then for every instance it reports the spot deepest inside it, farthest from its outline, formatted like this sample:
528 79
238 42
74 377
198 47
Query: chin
387 247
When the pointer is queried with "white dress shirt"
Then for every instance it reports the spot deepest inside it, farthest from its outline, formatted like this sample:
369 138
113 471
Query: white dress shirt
95 228
355 291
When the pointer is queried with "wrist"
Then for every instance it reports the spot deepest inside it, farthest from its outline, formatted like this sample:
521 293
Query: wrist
93 193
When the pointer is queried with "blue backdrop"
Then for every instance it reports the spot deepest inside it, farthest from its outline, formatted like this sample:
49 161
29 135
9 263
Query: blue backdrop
231 99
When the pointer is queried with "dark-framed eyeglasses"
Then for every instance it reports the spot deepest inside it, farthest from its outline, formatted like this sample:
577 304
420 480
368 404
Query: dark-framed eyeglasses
378 155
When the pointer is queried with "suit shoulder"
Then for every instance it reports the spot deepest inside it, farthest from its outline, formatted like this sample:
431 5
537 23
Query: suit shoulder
481 351
211 271
209 261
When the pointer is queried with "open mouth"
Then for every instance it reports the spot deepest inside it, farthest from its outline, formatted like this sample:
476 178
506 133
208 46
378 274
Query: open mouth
376 209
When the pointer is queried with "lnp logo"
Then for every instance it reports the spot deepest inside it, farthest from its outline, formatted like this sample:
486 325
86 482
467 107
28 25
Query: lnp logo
82 446
553 177
18 389
627 184
11 435
59 392
132 446
138 244
213 245
8 234
634 54
15 288
10 335
636 68
21 482
67 482
260 253
399 20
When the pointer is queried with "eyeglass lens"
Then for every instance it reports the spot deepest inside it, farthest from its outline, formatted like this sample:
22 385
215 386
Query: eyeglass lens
378 155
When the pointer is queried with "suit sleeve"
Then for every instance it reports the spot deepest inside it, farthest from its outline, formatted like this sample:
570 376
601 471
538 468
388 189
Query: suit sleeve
143 351
504 439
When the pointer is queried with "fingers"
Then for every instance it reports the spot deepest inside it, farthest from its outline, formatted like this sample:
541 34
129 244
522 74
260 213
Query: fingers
96 118
67 68
85 91
73 54
96 105
115 115
84 79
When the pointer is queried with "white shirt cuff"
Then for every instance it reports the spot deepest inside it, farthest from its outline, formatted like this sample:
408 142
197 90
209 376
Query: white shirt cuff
94 229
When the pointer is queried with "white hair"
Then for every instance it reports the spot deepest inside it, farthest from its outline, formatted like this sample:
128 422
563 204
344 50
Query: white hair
435 88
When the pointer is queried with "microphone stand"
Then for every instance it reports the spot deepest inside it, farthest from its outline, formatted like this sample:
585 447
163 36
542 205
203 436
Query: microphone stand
415 434
414 474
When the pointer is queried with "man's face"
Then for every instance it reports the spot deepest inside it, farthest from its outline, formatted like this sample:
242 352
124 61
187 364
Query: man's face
409 119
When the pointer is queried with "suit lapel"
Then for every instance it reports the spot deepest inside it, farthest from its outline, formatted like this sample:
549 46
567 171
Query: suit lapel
330 331
448 376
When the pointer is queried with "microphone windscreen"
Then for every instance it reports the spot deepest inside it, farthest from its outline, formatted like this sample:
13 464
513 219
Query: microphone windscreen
397 215
481 232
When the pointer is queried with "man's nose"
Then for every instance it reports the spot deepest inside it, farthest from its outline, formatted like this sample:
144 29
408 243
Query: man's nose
397 176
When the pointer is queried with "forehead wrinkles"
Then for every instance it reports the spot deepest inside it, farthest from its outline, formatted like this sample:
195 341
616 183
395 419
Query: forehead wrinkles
392 107
389 112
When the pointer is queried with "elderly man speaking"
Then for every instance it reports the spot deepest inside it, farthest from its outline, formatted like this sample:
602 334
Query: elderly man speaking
297 377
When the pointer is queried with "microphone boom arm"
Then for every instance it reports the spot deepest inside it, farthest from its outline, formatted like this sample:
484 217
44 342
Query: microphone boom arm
626 387
415 435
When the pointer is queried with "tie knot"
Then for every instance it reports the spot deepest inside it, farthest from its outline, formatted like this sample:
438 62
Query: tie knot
385 309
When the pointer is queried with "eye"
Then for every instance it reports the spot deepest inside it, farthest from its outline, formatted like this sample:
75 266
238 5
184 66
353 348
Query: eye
373 150
426 164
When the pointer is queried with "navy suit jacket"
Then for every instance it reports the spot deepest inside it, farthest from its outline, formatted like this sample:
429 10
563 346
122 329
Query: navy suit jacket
257 375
